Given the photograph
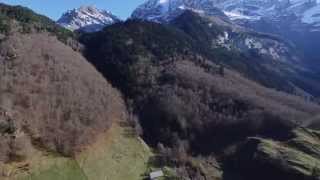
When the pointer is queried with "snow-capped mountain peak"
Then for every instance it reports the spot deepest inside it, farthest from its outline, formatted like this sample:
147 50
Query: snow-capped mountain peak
161 10
87 18
166 10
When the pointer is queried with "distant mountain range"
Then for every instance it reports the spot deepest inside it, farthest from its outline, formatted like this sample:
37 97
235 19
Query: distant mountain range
306 10
283 31
297 21
89 18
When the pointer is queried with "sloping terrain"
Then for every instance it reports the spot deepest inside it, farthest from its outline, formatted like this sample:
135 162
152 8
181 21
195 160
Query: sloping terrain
118 155
115 155
295 21
302 35
264 58
296 158
50 93
59 118
189 103
199 92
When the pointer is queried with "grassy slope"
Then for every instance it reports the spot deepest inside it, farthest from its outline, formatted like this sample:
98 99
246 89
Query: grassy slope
295 159
117 157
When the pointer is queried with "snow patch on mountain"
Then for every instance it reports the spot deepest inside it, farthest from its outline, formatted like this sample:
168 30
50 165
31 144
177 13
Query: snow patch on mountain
87 18
312 16
235 15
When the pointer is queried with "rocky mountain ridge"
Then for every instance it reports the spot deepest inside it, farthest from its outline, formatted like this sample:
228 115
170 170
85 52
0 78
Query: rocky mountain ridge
306 10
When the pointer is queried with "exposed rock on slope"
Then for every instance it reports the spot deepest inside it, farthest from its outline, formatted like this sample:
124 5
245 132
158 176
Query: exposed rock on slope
302 35
267 59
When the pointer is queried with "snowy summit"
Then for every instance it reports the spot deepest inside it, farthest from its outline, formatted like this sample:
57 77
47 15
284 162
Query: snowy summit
166 10
87 18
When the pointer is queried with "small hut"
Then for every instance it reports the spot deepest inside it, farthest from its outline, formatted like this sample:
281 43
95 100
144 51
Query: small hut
156 174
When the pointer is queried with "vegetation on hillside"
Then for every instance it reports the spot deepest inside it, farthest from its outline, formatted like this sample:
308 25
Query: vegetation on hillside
115 155
29 21
273 73
296 159
50 95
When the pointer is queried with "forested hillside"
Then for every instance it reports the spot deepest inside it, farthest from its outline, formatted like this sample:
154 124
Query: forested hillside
192 102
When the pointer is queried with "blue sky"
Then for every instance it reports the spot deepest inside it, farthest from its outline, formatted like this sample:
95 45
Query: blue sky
54 8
